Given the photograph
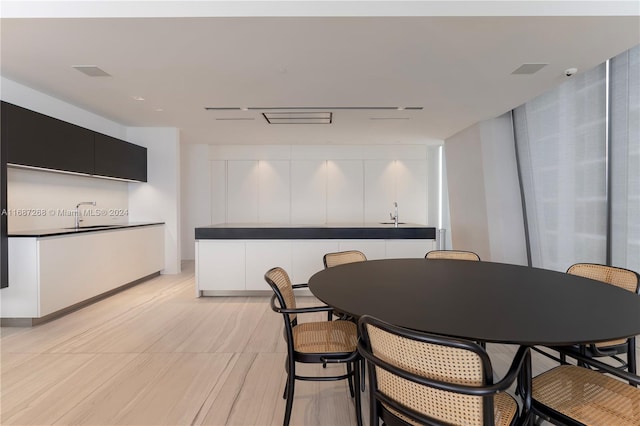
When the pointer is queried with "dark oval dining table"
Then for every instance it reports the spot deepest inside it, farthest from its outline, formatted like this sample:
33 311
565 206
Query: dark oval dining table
486 301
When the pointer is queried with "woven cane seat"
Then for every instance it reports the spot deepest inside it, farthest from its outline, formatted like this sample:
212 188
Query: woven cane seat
452 254
588 396
325 337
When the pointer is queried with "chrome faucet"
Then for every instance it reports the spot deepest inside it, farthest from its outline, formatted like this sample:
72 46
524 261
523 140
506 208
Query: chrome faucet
83 203
395 218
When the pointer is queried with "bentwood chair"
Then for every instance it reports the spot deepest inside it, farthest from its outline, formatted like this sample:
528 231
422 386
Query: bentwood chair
578 396
340 258
626 279
419 378
313 342
452 254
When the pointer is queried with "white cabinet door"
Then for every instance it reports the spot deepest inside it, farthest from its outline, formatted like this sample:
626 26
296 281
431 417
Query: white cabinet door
379 190
273 192
220 265
408 248
307 257
218 191
345 191
308 191
242 191
263 255
373 249
411 191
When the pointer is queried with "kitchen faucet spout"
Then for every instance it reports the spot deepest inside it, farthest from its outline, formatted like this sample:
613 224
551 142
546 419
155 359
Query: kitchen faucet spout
77 215
395 217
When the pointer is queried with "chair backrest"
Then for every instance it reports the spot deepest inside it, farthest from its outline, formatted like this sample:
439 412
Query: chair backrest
280 283
620 277
402 355
340 258
452 254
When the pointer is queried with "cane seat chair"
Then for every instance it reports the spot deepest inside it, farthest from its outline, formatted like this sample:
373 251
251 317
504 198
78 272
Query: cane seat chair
623 278
319 342
452 254
419 378
341 258
578 396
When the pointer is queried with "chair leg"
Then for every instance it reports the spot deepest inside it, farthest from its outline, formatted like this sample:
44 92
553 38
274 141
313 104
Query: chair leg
289 391
363 374
350 379
631 357
356 369
284 394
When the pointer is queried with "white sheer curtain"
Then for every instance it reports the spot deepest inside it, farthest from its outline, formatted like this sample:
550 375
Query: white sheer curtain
625 159
561 145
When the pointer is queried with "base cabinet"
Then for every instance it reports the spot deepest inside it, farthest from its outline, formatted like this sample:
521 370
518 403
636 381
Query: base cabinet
234 267
53 273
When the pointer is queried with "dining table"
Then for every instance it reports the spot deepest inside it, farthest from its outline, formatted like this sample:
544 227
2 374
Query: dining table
482 301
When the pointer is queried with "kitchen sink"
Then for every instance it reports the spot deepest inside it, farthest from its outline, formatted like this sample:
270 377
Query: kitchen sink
392 223
94 227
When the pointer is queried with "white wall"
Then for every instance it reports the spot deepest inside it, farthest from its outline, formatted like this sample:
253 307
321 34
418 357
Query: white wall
484 195
158 199
46 200
315 184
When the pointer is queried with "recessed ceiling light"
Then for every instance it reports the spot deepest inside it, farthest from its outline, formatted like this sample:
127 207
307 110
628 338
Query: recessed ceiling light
244 109
159 109
235 119
389 118
137 98
400 108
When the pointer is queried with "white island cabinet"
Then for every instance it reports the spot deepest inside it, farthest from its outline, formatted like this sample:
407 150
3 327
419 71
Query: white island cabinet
51 272
232 259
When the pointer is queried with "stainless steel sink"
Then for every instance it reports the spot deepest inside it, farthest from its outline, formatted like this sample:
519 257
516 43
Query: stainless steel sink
94 227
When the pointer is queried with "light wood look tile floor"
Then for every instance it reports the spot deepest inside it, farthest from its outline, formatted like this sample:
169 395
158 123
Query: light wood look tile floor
155 355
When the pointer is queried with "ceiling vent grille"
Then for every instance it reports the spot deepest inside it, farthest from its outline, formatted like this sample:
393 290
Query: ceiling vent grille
91 70
529 68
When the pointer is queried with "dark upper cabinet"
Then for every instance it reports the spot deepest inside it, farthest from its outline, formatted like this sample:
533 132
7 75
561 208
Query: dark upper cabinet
117 158
4 242
34 139
38 140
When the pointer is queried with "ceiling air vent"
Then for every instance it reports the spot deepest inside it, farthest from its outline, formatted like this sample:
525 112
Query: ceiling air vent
298 117
91 70
529 68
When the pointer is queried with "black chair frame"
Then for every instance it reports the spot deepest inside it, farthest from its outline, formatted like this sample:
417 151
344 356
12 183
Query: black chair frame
351 359
486 391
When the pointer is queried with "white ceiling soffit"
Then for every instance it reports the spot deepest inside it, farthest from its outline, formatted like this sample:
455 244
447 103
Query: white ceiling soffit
458 69
318 8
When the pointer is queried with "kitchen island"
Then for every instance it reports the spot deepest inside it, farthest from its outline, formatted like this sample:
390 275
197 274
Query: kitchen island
54 271
231 259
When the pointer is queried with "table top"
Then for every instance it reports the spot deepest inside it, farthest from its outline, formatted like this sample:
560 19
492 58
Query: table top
492 302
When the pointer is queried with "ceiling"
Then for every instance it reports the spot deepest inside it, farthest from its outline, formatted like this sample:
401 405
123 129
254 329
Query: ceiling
457 68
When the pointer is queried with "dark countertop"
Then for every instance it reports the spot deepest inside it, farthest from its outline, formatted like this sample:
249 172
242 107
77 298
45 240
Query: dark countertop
38 233
358 231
